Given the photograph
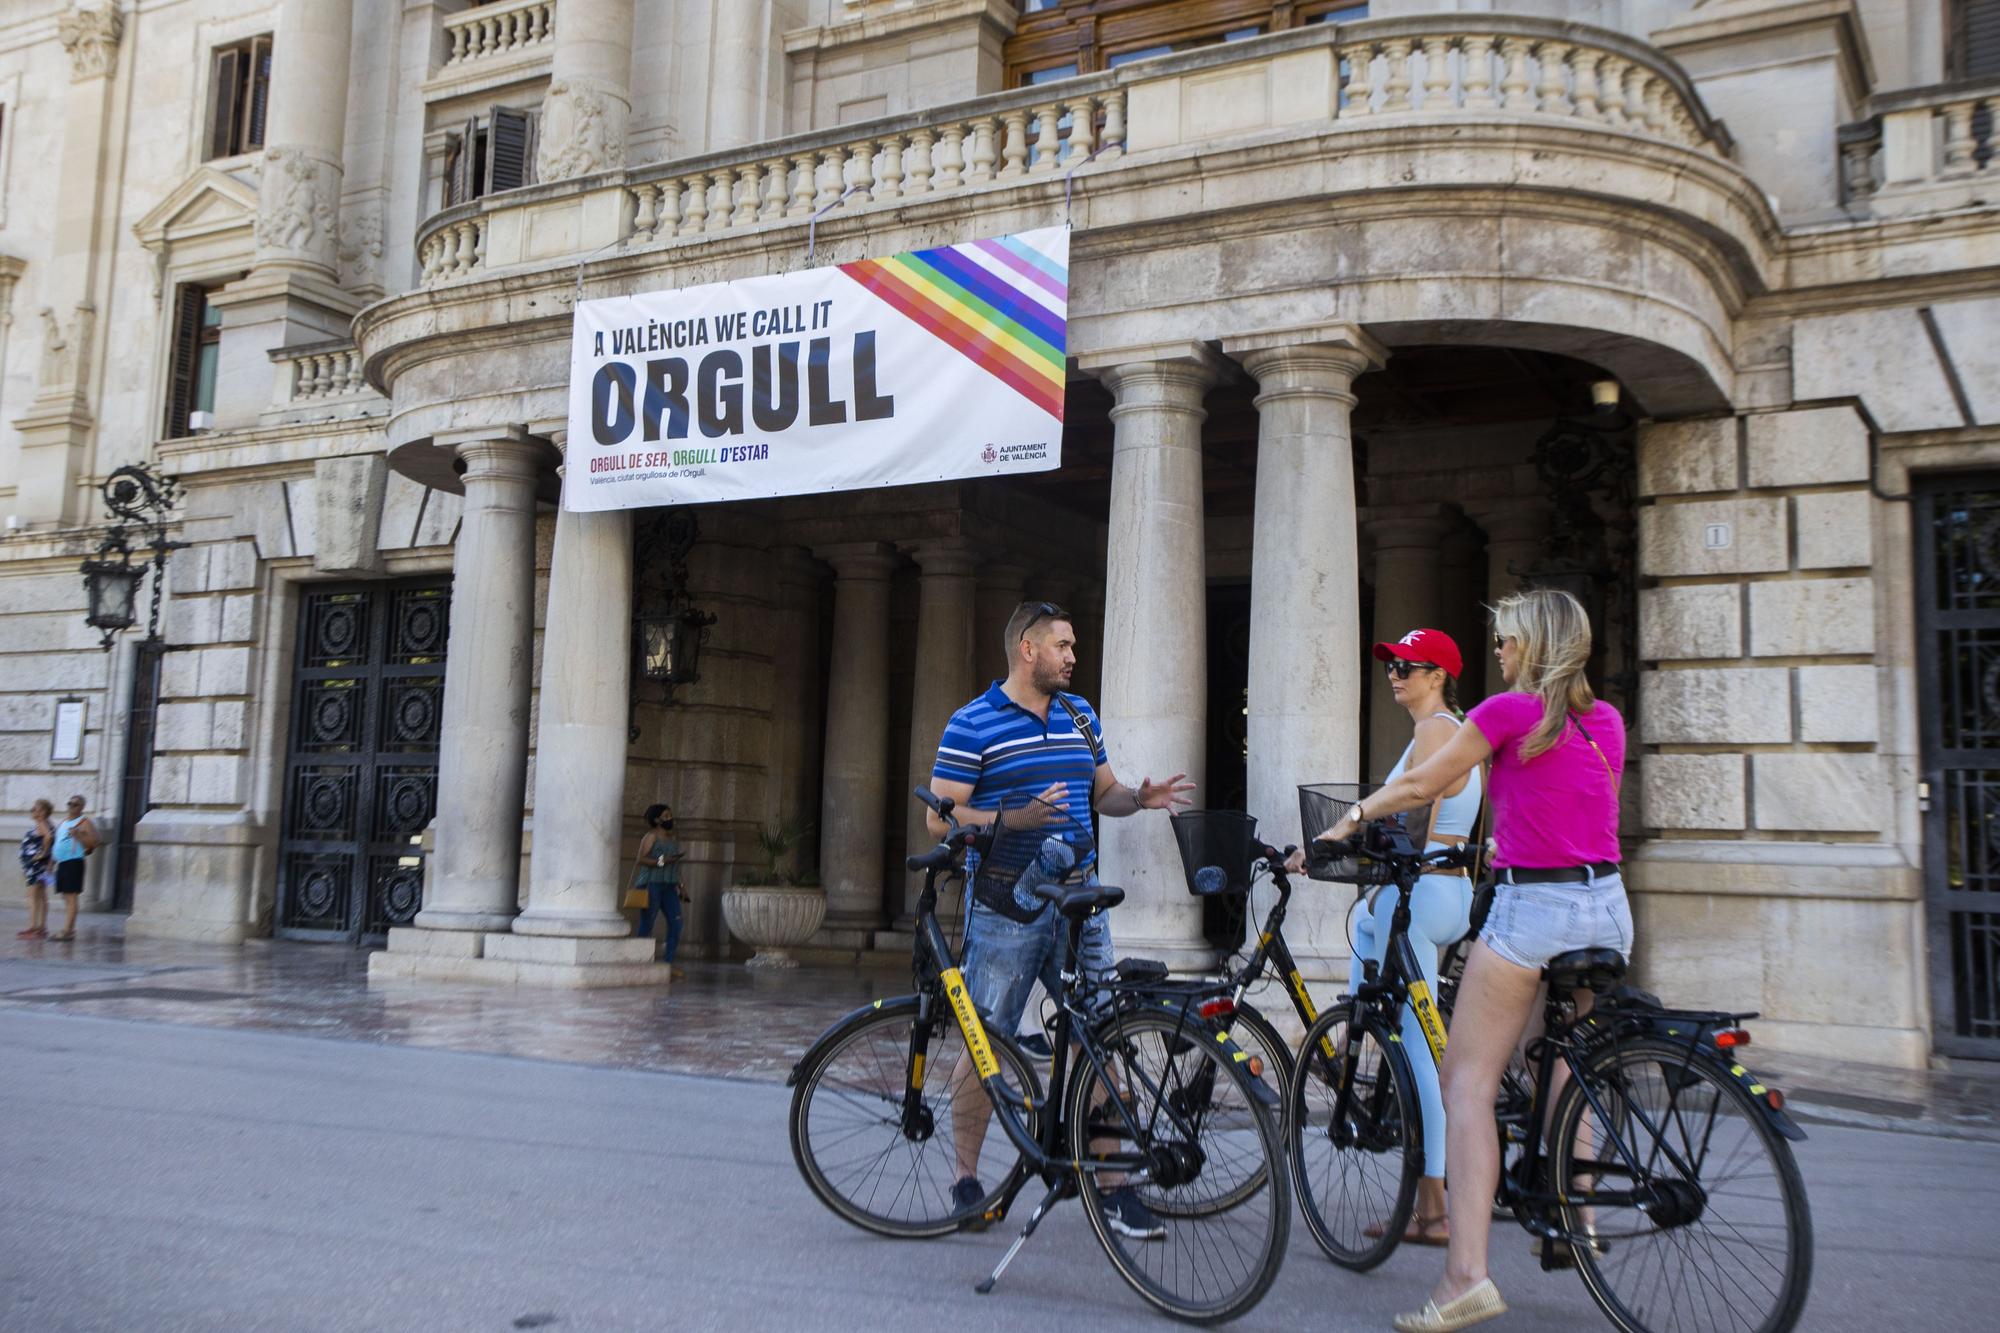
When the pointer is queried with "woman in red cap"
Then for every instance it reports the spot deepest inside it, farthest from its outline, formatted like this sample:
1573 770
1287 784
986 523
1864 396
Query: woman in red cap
1423 669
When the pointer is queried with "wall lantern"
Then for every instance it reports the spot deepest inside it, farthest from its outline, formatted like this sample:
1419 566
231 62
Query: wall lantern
668 629
140 505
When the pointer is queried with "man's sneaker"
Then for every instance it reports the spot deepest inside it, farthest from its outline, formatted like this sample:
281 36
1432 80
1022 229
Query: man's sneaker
966 1196
1036 1046
1126 1215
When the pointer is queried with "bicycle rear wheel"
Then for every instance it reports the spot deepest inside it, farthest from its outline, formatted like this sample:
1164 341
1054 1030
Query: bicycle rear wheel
1200 1142
1355 1174
848 1132
1711 1230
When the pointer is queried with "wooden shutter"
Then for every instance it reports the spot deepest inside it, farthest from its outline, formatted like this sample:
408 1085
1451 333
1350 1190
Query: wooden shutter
227 81
507 150
259 93
458 180
1975 40
190 303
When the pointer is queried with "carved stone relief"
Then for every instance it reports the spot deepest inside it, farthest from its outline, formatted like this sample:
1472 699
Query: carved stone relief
90 35
66 351
583 131
296 214
361 246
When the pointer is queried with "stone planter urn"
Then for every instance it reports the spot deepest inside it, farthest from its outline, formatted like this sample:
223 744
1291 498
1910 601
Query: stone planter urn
773 919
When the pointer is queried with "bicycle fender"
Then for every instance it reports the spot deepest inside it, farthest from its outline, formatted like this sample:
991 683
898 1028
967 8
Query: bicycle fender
1234 1053
1672 1028
840 1029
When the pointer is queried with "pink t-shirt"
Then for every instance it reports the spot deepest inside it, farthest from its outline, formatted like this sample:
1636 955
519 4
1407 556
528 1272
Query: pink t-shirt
1561 807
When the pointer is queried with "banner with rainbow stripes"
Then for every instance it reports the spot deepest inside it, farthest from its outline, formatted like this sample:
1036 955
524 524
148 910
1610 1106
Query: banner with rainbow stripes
931 365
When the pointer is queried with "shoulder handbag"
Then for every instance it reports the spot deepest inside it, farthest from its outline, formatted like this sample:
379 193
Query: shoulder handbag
636 898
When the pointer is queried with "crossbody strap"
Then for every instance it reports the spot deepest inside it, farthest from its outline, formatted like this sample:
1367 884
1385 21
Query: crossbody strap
1592 742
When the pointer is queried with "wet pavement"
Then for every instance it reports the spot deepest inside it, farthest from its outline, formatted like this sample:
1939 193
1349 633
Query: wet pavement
722 1020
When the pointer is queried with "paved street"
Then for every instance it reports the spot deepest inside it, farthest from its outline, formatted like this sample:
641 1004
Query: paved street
165 1177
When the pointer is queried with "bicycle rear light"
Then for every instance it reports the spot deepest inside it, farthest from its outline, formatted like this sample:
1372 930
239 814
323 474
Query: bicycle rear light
1730 1038
1221 1007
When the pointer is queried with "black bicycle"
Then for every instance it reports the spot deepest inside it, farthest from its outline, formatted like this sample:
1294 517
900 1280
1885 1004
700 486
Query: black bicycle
891 1100
1665 1173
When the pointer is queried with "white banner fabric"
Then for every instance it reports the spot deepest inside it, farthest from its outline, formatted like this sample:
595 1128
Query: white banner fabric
931 365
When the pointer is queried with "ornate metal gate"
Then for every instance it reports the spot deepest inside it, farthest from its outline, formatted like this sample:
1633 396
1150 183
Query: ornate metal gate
1958 651
361 767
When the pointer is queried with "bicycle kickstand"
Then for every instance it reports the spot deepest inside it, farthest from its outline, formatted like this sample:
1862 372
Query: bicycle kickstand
1034 1220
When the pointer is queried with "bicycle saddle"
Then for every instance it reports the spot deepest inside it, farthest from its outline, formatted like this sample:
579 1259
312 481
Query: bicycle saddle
1081 899
1598 970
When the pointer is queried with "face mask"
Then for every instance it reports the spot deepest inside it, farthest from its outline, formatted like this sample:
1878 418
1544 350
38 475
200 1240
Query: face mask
667 825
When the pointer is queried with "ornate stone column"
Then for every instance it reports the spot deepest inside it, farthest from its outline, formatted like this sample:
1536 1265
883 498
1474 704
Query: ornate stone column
590 91
1515 530
944 680
1305 617
483 753
1461 596
1406 598
577 874
1155 701
56 428
856 764
298 209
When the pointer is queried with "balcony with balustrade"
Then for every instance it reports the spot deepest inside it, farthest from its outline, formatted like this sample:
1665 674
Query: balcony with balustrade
1391 85
1924 150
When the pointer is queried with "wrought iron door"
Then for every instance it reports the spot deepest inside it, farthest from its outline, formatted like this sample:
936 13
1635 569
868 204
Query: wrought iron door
1958 651
361 767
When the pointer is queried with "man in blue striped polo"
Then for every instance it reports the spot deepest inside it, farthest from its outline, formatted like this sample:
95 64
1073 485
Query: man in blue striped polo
1030 754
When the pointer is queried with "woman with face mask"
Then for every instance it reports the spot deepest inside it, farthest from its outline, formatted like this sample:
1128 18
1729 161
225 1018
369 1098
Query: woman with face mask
659 875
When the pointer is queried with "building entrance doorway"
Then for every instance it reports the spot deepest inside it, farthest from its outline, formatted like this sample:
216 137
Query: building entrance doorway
361 762
1957 523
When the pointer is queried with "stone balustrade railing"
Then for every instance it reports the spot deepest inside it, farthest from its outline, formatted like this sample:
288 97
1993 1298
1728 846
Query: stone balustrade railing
1925 150
453 250
1449 68
316 373
511 27
1053 130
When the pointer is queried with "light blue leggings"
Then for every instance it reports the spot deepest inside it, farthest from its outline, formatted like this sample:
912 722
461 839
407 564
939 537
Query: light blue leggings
1440 912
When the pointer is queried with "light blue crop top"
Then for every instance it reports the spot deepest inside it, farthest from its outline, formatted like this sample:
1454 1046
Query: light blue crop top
1454 815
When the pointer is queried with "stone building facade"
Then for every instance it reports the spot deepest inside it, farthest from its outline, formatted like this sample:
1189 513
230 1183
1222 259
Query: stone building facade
1377 311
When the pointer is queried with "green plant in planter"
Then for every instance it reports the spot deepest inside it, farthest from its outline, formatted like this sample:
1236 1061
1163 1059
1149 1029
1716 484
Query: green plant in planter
775 845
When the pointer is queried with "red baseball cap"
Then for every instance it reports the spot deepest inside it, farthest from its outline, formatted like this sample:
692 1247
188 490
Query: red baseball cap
1424 645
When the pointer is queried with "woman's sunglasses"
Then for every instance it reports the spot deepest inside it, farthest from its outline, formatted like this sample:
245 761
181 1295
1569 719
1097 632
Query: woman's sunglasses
1401 669
1500 641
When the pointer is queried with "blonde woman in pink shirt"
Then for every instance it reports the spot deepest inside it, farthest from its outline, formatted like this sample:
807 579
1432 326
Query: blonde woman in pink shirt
1557 751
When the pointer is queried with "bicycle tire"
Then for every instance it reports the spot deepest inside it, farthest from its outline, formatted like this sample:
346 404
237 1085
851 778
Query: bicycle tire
1165 1063
862 1126
1632 1079
1345 1189
1265 1041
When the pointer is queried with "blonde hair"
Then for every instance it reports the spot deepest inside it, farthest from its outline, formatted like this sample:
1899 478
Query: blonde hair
1551 633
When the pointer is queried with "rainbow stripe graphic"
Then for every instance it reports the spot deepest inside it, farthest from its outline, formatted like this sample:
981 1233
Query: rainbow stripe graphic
1001 303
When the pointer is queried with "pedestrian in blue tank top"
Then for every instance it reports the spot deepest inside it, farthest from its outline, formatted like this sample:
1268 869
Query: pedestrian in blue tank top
76 838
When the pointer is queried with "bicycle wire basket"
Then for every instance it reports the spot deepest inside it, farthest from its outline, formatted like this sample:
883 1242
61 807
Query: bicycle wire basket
1216 840
1321 805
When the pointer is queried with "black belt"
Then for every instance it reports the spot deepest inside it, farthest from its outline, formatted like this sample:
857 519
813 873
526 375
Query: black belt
1556 874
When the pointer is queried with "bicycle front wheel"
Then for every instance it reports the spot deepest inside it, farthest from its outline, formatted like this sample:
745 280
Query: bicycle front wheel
1354 1164
1204 1157
1692 1204
886 1171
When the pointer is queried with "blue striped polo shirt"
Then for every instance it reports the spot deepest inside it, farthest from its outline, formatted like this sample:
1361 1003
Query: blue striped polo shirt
1010 756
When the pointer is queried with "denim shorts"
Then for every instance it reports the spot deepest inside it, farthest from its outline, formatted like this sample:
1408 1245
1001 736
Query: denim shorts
1004 957
1532 923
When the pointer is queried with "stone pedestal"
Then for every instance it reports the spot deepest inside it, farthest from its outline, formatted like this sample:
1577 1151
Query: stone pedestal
1406 546
577 874
1155 704
197 870
943 682
482 764
856 765
1305 630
